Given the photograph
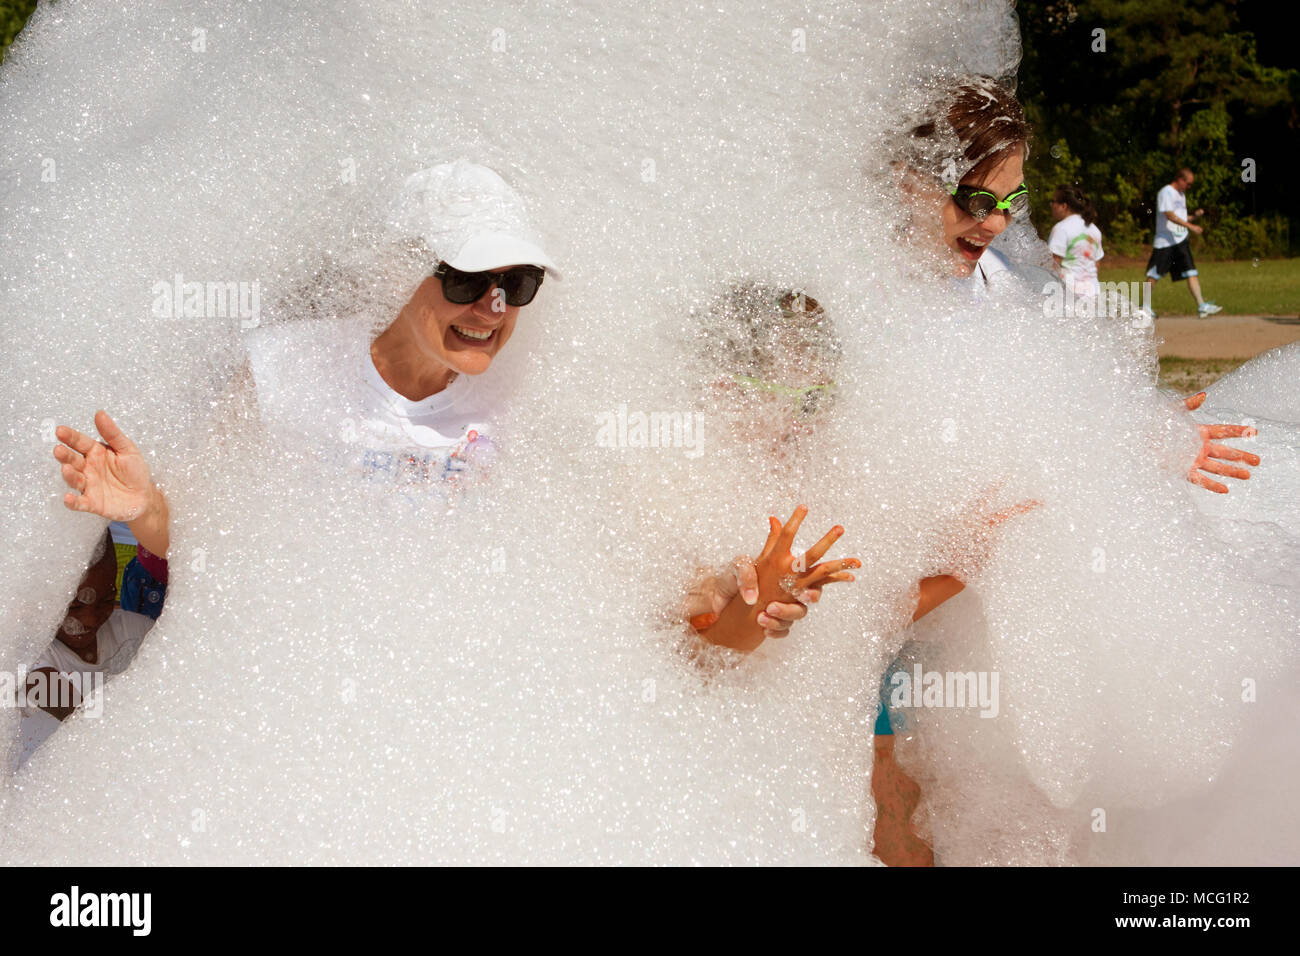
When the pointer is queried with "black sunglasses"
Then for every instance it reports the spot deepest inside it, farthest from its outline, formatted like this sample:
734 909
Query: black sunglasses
519 284
978 203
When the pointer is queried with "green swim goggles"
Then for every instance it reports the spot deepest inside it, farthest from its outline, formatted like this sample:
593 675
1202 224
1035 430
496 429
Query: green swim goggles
806 400
978 203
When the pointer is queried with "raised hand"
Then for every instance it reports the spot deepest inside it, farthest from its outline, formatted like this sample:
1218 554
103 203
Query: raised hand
108 478
1212 455
975 528
715 592
767 601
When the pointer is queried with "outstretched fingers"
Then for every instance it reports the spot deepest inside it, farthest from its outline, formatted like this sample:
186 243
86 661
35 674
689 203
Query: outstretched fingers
791 528
113 436
77 502
1196 478
74 478
1228 471
66 456
773 535
814 554
1228 453
837 576
81 444
828 571
1228 431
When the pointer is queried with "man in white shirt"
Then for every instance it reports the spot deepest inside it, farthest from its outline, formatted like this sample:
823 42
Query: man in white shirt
1172 252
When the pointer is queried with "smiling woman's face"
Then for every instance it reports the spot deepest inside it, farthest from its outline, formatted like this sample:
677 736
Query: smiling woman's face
464 338
965 236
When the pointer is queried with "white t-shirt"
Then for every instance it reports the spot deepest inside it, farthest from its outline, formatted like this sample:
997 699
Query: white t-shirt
991 269
1079 246
317 383
994 271
1169 233
116 644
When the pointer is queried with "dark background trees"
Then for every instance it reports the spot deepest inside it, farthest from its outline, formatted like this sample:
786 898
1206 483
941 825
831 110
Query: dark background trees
13 14
1170 83
1208 84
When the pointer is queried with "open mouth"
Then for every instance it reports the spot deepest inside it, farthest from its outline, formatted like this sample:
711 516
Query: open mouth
971 248
474 336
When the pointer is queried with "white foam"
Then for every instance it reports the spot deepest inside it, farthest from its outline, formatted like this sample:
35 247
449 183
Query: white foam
341 675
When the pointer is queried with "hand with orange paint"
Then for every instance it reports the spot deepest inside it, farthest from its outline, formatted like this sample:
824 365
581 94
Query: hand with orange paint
1212 455
716 591
773 591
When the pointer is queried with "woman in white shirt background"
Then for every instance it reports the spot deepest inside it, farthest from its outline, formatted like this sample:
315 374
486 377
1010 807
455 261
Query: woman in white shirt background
1075 242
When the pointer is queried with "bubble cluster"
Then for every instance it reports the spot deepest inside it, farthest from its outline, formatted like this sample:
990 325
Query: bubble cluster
347 674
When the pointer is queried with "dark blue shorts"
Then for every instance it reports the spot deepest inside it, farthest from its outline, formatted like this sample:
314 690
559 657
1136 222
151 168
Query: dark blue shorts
1174 261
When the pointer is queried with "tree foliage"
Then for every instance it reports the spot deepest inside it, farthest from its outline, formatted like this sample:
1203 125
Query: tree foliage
1122 93
13 14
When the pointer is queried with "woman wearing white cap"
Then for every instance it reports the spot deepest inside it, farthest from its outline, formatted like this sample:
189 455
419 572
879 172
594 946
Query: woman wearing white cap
409 406
404 402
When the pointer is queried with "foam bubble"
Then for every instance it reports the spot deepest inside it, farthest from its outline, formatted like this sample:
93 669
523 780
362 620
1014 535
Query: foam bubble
345 674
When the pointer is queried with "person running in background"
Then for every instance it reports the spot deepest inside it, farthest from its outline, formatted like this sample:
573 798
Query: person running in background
1172 252
1075 242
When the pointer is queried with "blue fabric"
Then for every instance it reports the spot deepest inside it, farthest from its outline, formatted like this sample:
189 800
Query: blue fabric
884 725
140 592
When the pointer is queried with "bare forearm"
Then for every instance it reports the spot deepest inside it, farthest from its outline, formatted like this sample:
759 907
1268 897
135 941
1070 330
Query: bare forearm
736 627
151 527
934 591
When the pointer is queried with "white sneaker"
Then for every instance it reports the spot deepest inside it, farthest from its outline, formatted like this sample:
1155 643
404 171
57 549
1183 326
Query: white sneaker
1208 308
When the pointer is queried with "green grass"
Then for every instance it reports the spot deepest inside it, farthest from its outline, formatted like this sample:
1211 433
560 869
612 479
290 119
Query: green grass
1187 376
1262 287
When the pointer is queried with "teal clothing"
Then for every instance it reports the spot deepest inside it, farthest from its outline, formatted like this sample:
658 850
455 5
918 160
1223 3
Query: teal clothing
884 722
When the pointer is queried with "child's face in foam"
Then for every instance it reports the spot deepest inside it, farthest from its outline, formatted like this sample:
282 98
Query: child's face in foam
965 236
773 410
939 223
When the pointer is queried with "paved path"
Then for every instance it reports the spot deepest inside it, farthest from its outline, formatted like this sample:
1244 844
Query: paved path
1225 336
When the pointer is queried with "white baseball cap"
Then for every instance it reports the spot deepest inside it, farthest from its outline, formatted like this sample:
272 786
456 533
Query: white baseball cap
470 218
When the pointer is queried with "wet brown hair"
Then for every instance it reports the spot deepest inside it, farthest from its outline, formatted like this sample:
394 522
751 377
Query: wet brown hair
987 119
